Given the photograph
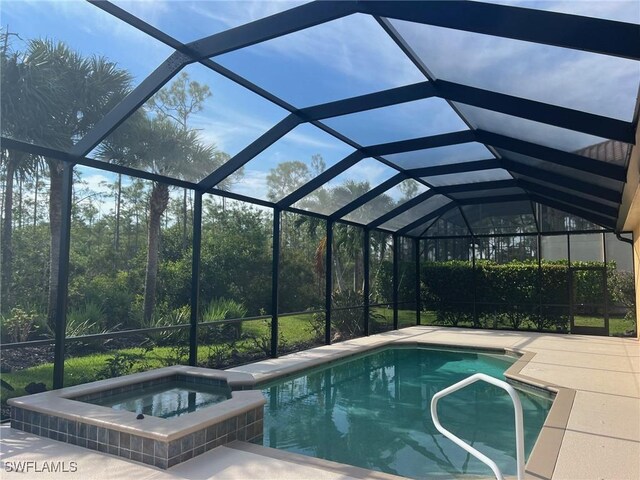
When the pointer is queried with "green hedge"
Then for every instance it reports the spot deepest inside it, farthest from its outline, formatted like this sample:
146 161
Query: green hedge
516 294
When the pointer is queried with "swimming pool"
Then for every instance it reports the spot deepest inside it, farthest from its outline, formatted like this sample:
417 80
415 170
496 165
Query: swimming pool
372 411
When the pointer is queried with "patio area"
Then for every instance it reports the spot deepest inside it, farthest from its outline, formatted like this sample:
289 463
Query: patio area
602 374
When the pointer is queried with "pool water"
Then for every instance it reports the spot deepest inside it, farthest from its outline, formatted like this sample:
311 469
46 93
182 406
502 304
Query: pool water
167 400
372 411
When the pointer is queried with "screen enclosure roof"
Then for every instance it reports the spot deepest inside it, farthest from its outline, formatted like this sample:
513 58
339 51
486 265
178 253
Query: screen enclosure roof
420 118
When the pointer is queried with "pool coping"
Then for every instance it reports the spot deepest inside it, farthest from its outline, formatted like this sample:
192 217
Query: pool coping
350 471
544 455
62 403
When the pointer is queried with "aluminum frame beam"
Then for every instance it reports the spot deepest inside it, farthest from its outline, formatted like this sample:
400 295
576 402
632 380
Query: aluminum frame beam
592 217
277 25
518 197
553 155
60 318
395 280
461 167
563 117
478 186
250 151
371 101
195 279
606 37
127 107
597 219
498 102
535 188
561 180
422 143
12 144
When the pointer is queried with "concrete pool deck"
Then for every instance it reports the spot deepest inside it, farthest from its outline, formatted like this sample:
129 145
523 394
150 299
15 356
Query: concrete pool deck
597 437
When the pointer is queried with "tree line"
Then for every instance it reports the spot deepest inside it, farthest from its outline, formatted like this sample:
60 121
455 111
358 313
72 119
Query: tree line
130 262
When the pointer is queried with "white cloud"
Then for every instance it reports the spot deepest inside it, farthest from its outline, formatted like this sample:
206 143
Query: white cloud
253 184
368 170
300 138
355 47
229 129
97 183
234 13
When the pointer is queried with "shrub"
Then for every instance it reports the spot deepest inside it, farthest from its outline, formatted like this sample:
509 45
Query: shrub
86 320
121 364
510 294
347 316
623 292
114 296
19 325
218 310
173 336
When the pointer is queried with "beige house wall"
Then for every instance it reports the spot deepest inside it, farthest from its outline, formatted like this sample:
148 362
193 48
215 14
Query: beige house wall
629 217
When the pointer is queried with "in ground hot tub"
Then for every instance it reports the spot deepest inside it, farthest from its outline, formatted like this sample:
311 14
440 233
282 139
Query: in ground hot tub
187 411
167 397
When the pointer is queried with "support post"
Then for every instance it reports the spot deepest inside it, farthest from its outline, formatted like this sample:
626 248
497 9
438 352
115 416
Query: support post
366 252
570 283
63 276
474 277
605 282
328 282
416 253
540 301
195 278
396 245
275 275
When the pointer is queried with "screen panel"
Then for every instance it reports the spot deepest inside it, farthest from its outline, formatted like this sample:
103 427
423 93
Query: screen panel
69 63
421 118
346 187
191 127
392 198
415 213
295 159
500 218
571 78
462 152
340 59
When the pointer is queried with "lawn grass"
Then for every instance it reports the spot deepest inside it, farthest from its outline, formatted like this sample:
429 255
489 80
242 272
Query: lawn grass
618 326
86 368
293 330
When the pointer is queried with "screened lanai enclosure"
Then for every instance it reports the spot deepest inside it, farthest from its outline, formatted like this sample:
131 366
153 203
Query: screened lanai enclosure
214 183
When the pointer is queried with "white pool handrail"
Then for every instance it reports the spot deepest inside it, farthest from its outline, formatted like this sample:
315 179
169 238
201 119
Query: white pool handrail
518 415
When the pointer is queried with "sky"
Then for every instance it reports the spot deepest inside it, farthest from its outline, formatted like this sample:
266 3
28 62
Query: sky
343 58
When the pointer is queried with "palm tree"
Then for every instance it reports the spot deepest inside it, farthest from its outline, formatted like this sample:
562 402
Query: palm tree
163 147
17 123
57 97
